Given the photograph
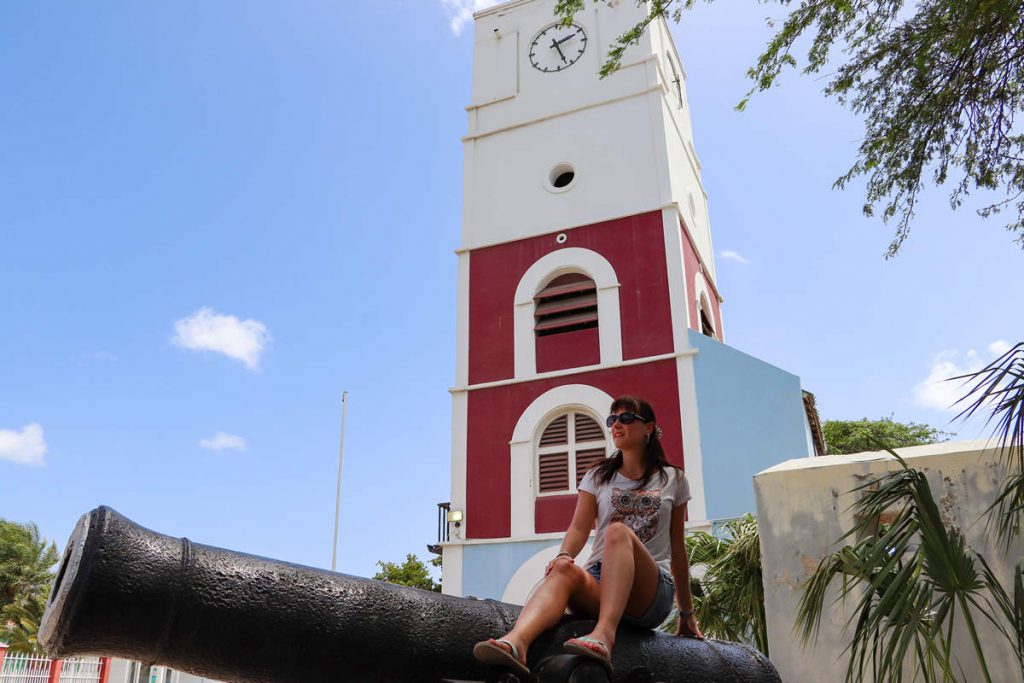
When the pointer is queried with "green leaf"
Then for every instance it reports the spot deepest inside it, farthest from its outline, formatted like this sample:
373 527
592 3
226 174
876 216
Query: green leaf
413 572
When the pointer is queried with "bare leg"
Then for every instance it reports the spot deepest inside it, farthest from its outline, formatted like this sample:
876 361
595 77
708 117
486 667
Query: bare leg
629 581
545 607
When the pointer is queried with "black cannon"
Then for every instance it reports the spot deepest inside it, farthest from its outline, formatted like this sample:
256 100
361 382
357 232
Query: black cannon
122 590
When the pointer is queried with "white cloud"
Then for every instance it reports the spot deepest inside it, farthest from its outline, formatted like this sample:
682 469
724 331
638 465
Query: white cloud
730 255
207 330
221 441
25 447
999 347
936 392
461 11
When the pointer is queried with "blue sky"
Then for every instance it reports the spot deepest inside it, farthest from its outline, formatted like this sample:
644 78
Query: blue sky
215 217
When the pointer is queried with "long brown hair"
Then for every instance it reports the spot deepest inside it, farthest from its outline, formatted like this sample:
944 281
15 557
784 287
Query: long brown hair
654 455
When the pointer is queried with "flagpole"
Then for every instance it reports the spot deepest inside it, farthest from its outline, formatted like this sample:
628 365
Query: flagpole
337 499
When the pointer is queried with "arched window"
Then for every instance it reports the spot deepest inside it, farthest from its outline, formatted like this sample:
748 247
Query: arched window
566 304
571 443
704 318
539 353
707 327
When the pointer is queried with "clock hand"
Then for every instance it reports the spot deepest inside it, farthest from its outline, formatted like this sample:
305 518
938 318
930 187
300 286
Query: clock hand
568 37
554 44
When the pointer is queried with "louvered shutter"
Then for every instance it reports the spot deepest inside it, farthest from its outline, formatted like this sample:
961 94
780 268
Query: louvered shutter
568 303
706 328
587 459
554 472
587 429
573 441
557 432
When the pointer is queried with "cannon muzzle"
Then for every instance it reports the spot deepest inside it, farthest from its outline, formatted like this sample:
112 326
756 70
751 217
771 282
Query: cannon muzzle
122 590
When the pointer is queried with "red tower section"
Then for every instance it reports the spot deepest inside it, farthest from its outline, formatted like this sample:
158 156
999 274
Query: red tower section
634 249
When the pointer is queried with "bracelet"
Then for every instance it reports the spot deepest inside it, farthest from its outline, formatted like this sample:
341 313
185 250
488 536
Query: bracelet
686 613
565 554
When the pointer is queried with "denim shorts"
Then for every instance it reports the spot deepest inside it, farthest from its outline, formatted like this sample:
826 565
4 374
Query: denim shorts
660 607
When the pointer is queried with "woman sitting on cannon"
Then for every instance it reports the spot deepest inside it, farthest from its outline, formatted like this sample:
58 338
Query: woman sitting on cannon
638 562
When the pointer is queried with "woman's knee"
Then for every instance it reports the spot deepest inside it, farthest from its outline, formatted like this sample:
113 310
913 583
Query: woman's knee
618 533
566 571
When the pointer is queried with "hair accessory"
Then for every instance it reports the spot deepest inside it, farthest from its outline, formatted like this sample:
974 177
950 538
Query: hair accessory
658 433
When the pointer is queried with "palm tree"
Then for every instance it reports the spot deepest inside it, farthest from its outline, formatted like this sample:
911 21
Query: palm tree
729 598
26 570
911 580
21 625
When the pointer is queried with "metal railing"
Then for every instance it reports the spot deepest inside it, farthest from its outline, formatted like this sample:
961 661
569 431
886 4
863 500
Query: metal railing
81 670
442 521
22 668
19 668
442 527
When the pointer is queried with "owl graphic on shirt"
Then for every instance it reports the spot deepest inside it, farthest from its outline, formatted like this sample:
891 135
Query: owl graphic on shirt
638 510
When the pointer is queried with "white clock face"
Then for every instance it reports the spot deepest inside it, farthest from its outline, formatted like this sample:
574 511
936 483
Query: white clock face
557 47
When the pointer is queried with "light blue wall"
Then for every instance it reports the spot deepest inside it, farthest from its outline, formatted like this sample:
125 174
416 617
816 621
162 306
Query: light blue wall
487 568
751 416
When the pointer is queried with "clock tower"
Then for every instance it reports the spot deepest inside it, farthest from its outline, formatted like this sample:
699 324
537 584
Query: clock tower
586 271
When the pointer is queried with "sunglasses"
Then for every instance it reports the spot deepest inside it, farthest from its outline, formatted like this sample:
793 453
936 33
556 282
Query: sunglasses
624 418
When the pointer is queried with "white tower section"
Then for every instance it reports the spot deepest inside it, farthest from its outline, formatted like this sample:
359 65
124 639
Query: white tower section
626 138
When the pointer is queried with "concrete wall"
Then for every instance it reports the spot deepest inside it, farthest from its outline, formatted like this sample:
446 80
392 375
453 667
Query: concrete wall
803 508
751 416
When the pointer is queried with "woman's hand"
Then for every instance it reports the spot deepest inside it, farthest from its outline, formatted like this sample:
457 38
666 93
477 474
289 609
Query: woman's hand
687 627
558 558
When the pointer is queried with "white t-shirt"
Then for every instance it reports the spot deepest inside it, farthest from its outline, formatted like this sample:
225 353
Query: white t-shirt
647 512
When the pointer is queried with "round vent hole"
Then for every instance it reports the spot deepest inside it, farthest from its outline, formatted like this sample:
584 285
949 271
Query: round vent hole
561 176
564 178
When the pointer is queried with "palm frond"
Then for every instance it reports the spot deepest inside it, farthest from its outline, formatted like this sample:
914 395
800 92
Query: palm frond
730 599
998 390
19 624
26 569
1010 607
908 581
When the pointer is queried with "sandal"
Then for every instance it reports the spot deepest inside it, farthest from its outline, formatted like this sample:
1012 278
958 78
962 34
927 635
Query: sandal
489 652
589 647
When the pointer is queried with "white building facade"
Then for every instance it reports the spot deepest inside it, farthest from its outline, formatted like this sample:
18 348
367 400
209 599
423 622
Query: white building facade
586 271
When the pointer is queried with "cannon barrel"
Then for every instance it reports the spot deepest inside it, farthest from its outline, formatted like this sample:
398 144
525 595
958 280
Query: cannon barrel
122 590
